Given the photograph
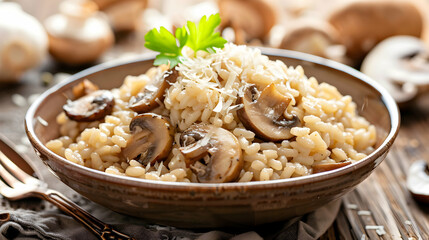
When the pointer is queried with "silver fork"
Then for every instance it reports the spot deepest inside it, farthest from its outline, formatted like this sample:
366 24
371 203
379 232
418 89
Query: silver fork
18 185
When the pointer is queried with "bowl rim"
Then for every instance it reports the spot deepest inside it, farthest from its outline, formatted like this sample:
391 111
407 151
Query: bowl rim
386 98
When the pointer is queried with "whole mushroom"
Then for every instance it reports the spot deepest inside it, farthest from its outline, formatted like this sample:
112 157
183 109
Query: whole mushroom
401 65
418 181
309 36
213 153
152 139
250 19
263 113
362 24
123 15
23 42
78 34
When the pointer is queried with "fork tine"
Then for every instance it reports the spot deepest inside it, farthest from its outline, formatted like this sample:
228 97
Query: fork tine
21 175
4 189
8 178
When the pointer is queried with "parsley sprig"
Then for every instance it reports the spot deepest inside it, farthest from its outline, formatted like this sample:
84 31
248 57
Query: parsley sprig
197 37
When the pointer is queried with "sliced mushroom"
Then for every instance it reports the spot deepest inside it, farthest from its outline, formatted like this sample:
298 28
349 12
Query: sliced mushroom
323 167
91 107
418 181
84 88
263 113
152 139
213 153
153 93
398 64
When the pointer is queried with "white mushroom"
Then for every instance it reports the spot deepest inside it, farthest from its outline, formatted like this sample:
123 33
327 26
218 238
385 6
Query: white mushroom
213 153
418 181
23 42
78 34
401 65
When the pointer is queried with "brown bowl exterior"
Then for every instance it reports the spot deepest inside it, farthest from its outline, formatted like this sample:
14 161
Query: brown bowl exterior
196 205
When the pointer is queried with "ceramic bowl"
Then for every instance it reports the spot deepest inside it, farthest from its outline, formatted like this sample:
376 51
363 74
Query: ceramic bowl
199 205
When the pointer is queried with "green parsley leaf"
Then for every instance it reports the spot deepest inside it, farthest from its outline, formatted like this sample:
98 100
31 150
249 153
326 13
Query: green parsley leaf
197 37
203 37
161 41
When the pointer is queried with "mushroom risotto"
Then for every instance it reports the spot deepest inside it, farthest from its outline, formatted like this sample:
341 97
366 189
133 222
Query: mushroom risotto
229 116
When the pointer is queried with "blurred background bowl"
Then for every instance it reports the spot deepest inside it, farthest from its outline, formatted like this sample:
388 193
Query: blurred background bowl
196 205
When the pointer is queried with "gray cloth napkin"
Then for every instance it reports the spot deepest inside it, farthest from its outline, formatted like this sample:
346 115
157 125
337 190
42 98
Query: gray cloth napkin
52 224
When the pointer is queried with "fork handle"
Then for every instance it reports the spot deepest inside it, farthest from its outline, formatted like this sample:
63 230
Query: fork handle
101 230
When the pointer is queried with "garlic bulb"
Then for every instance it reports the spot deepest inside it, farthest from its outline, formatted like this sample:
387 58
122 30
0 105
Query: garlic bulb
23 42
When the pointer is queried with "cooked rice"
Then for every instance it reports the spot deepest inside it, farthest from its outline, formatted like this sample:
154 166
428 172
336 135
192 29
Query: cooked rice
206 91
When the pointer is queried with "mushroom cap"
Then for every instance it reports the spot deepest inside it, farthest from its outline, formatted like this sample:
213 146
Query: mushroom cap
91 107
362 24
263 113
152 139
309 36
153 92
78 35
418 181
393 64
254 17
23 41
123 15
213 153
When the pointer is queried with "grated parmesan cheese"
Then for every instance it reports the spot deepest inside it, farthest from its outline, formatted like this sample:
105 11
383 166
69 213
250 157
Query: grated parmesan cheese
221 78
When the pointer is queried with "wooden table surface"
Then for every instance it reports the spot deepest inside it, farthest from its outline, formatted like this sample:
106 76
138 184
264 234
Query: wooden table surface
379 208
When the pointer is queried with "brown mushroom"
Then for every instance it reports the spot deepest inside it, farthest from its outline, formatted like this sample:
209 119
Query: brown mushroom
249 18
213 153
152 138
309 36
401 65
153 93
78 34
84 88
263 113
418 181
123 15
323 167
362 24
91 107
